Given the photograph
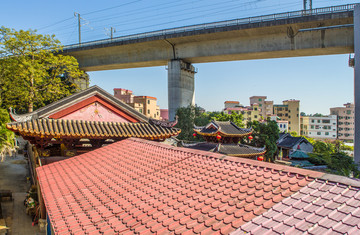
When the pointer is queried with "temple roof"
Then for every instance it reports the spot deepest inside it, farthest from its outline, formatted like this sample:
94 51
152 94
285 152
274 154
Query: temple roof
62 128
137 186
227 128
236 150
69 103
240 150
290 141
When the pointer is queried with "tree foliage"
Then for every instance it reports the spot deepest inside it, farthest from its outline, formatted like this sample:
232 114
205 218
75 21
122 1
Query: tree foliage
265 134
6 136
333 156
32 73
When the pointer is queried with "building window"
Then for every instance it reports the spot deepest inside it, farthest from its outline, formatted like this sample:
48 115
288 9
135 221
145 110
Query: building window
260 105
319 133
255 116
312 127
148 101
289 122
259 99
289 116
348 111
255 109
312 121
148 111
140 110
326 121
297 115
326 133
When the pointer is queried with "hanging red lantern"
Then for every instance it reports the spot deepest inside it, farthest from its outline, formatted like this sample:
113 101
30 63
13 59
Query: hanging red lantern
194 134
250 137
260 158
218 137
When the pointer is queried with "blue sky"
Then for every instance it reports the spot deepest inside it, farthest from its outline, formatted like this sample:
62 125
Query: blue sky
319 82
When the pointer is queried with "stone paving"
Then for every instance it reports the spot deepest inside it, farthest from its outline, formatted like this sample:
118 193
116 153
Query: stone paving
13 174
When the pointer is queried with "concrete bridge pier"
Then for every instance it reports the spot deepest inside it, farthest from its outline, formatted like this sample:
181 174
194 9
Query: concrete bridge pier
181 86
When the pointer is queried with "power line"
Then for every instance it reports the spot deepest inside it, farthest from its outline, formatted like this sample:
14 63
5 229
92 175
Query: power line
55 23
141 19
194 17
110 8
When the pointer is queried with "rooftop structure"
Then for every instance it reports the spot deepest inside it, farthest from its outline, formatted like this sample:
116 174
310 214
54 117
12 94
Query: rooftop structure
49 129
227 131
224 137
136 186
92 104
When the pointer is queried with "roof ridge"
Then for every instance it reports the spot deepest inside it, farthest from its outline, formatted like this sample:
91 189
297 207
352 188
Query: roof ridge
282 168
340 180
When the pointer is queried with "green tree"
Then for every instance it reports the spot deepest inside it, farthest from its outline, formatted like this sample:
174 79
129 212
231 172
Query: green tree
332 154
186 121
265 134
32 73
6 136
237 119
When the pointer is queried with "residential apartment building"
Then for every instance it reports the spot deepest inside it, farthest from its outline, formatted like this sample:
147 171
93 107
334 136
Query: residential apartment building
146 105
345 121
231 104
283 125
324 127
289 111
250 113
266 106
151 109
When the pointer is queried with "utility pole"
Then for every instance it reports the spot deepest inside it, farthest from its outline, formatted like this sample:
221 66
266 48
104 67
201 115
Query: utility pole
112 31
79 25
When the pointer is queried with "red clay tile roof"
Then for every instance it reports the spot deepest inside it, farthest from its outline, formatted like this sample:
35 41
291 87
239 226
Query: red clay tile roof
321 207
139 186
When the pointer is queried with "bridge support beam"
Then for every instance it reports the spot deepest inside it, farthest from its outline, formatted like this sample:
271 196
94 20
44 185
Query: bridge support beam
181 86
357 83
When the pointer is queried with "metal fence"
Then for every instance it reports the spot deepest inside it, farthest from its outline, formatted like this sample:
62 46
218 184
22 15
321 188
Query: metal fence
257 19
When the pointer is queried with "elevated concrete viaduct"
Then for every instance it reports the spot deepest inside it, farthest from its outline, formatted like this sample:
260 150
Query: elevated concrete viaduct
322 31
271 36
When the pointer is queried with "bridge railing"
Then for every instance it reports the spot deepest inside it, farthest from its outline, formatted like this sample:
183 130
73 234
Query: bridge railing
257 19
